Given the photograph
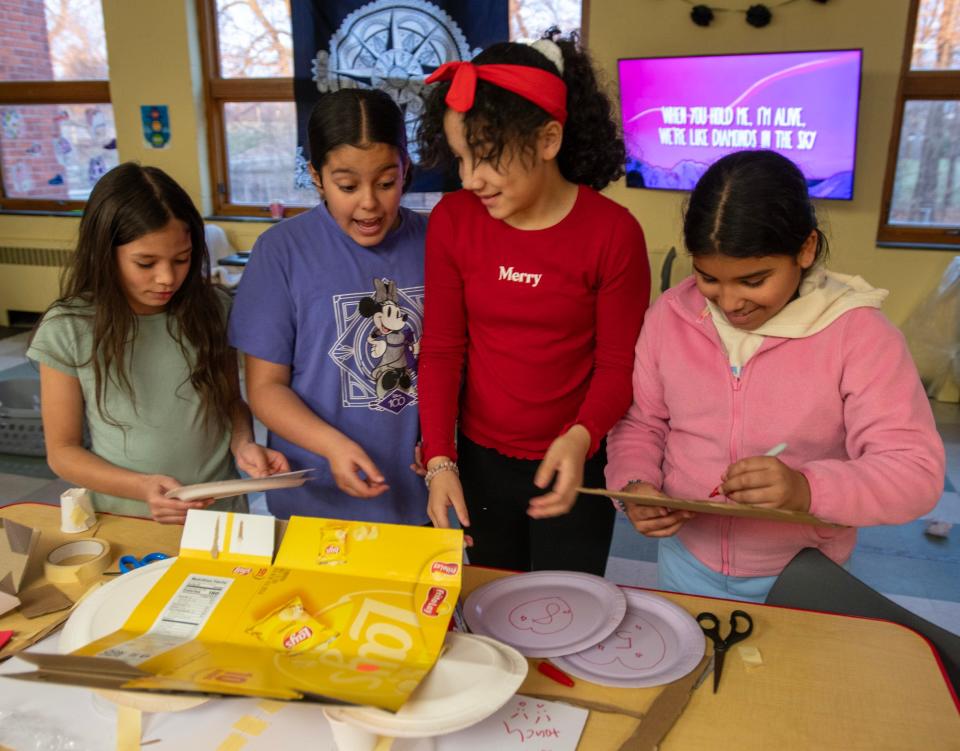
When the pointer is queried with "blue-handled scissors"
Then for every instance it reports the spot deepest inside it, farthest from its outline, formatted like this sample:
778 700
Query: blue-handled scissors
710 625
130 562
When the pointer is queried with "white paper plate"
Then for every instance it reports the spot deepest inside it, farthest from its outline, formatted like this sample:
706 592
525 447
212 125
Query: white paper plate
656 643
473 678
546 613
230 488
107 608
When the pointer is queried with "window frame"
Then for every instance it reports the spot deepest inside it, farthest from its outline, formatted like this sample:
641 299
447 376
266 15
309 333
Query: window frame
219 91
926 85
48 92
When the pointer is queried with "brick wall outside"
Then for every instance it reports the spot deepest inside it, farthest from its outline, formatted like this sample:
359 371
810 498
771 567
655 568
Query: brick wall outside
29 135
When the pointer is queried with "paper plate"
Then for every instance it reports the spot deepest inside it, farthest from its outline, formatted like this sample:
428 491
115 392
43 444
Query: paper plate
105 610
230 488
546 613
657 642
473 678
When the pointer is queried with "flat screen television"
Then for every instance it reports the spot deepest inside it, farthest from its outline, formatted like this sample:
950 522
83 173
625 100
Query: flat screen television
681 114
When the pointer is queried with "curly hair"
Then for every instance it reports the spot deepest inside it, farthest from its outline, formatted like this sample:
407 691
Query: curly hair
592 152
751 204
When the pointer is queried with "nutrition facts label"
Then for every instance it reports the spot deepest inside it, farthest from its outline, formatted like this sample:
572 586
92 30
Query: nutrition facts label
181 620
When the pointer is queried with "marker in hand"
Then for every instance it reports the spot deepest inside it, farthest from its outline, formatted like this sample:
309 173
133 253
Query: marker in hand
775 451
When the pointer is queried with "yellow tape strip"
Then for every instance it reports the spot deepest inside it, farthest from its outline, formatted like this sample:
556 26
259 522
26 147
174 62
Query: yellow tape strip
271 707
251 725
129 728
232 742
227 535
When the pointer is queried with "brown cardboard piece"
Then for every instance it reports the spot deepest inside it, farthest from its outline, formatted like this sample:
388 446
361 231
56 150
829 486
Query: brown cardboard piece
722 508
17 544
39 601
665 710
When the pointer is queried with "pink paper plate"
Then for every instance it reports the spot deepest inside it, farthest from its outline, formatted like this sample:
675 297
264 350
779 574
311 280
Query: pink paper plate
657 642
546 613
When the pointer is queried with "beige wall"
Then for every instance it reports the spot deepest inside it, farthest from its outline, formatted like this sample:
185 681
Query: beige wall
663 27
154 60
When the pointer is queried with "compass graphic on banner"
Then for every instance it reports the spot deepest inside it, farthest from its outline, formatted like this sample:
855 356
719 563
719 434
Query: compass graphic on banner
392 46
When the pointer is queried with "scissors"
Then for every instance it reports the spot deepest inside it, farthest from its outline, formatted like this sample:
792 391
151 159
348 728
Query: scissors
130 562
710 625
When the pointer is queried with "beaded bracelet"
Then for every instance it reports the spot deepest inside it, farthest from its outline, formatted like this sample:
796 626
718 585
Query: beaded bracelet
441 467
620 504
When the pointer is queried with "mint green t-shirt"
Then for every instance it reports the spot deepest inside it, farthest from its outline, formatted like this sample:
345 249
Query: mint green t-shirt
163 430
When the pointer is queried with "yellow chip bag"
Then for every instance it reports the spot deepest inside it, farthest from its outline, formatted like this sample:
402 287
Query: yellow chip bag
290 628
333 546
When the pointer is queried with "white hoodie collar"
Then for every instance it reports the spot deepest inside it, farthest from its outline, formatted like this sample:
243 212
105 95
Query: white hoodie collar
824 297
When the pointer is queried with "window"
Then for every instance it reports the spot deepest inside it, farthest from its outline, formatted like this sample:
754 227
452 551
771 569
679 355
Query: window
922 190
248 68
57 134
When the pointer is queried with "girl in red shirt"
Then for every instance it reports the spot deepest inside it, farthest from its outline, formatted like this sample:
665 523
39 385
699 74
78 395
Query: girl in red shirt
536 286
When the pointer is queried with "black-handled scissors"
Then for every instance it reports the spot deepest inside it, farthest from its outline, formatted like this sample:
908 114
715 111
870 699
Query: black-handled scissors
710 625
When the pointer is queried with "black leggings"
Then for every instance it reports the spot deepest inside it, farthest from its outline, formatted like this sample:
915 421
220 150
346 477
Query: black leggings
498 490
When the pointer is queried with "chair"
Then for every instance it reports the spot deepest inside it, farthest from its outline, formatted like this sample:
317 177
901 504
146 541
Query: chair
675 267
812 581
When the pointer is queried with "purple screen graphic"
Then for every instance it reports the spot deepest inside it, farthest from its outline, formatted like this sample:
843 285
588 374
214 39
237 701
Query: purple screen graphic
681 114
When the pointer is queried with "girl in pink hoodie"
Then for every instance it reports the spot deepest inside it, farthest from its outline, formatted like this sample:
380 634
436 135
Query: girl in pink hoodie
761 346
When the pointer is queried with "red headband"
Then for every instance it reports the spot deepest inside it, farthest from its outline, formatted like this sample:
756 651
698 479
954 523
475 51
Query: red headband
544 89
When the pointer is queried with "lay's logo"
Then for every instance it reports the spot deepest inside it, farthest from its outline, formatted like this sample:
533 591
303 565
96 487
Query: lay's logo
450 569
297 636
435 597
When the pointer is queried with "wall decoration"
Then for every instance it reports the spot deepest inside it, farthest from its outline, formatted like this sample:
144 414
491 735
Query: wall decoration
155 122
11 122
390 45
96 169
757 15
61 150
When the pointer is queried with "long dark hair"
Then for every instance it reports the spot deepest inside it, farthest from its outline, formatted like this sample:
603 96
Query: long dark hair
128 202
750 204
356 117
592 152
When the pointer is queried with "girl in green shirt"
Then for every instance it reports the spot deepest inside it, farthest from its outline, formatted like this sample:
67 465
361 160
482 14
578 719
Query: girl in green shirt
137 346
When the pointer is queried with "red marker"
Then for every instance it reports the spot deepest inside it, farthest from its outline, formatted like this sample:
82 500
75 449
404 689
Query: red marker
775 451
555 674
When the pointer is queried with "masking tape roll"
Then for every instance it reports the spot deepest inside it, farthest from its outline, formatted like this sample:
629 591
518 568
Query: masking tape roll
95 554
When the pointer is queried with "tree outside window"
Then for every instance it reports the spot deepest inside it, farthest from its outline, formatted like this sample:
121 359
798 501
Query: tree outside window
922 191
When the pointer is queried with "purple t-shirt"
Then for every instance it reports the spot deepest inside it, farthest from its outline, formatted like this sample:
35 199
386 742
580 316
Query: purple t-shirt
347 320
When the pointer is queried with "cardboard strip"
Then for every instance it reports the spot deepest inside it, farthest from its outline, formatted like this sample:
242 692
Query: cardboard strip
665 710
129 729
722 508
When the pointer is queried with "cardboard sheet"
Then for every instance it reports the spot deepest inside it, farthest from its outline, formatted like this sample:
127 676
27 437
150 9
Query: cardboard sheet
17 545
723 508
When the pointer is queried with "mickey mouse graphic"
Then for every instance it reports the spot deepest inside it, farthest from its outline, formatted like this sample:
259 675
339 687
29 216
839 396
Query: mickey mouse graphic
392 341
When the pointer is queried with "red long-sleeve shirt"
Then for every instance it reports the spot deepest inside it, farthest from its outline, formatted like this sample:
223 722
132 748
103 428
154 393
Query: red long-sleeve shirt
545 322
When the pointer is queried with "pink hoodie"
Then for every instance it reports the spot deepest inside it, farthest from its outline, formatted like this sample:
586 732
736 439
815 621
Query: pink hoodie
847 400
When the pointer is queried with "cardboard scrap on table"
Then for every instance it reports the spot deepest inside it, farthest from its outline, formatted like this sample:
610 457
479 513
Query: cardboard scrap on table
17 544
722 508
42 600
